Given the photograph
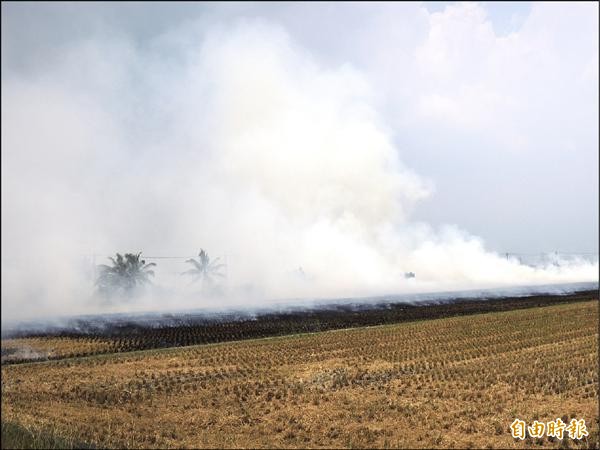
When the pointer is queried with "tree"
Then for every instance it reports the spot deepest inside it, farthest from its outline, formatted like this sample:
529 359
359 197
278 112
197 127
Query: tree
204 269
126 273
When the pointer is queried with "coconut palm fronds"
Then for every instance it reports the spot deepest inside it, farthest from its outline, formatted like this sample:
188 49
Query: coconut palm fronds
126 272
204 269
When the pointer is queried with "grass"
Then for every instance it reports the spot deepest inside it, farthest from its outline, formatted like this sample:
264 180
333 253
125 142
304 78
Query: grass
453 382
17 436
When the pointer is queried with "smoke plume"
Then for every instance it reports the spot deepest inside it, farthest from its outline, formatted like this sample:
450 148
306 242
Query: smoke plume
234 139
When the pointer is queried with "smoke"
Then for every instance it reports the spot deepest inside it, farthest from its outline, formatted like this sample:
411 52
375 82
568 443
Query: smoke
234 139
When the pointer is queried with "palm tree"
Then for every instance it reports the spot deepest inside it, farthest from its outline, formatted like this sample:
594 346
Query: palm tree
204 269
127 272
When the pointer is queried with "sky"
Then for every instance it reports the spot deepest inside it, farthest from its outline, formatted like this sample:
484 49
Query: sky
369 138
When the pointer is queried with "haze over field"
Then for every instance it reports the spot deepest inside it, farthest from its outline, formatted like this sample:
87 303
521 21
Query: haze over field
355 142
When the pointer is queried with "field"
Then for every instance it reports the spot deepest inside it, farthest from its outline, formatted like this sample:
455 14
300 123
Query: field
448 382
100 335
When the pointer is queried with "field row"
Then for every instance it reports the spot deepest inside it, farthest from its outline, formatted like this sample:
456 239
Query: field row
91 339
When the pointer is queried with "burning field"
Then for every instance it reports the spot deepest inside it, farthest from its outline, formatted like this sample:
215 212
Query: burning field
299 225
93 335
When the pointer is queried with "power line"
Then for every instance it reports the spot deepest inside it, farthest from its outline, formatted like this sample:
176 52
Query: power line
159 257
169 257
551 253
501 253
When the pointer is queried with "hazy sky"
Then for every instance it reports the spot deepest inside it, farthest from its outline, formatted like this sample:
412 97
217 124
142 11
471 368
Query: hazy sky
495 103
357 141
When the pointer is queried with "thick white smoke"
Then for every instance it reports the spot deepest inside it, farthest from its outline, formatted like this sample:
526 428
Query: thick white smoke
234 140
